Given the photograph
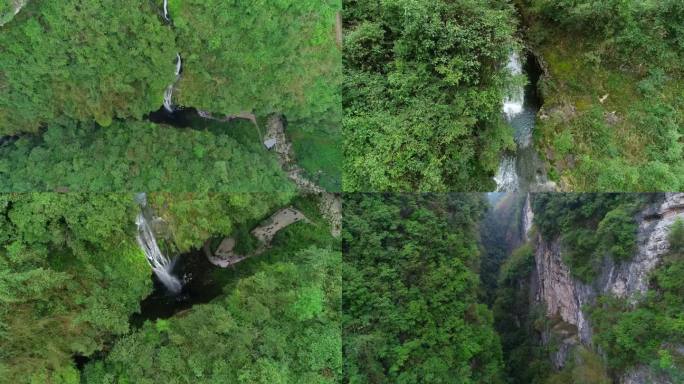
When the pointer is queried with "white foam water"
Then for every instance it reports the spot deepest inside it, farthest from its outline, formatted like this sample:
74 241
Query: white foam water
161 265
513 102
507 177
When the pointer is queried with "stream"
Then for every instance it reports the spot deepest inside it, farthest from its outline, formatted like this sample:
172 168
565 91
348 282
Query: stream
522 170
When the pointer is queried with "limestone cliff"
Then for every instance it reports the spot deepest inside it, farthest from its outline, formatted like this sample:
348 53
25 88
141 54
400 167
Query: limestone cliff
564 296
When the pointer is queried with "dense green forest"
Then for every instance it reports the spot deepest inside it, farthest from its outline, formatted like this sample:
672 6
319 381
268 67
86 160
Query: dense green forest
71 276
298 191
425 83
411 311
106 65
137 156
612 117
422 93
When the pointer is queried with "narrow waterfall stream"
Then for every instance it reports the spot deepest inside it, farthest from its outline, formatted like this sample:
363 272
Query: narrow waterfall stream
166 10
180 280
161 264
168 94
522 170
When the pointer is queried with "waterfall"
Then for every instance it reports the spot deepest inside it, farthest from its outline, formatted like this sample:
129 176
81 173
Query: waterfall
513 103
179 64
166 10
168 94
160 263
507 177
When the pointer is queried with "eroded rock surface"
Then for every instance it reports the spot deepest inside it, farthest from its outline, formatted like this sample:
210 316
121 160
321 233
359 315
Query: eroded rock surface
564 296
330 204
225 255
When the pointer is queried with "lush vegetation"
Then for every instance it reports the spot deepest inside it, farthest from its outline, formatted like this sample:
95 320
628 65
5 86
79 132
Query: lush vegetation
619 128
652 332
72 64
422 93
410 304
279 325
590 226
261 56
267 57
277 322
139 156
71 273
195 217
94 60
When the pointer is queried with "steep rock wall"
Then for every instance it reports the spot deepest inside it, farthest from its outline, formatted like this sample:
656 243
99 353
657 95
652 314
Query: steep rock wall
563 296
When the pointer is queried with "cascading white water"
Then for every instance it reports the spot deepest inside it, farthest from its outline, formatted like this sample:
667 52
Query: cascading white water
513 103
160 263
179 64
166 10
506 177
168 94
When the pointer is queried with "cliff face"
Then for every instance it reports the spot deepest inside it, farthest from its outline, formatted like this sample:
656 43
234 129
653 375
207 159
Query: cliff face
564 296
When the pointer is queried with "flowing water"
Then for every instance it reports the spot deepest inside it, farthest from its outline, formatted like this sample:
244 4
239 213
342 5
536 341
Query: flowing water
168 94
521 170
161 264
166 10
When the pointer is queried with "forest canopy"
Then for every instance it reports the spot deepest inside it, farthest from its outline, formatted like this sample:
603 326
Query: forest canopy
71 272
105 65
140 156
422 93
410 304
260 56
276 326
94 60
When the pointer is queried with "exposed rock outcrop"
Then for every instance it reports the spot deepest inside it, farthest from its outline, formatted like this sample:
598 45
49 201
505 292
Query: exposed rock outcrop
564 296
225 255
15 7
330 204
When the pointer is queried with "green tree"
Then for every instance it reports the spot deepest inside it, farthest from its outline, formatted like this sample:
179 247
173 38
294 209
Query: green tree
70 276
279 325
261 57
422 93
86 60
139 156
410 298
